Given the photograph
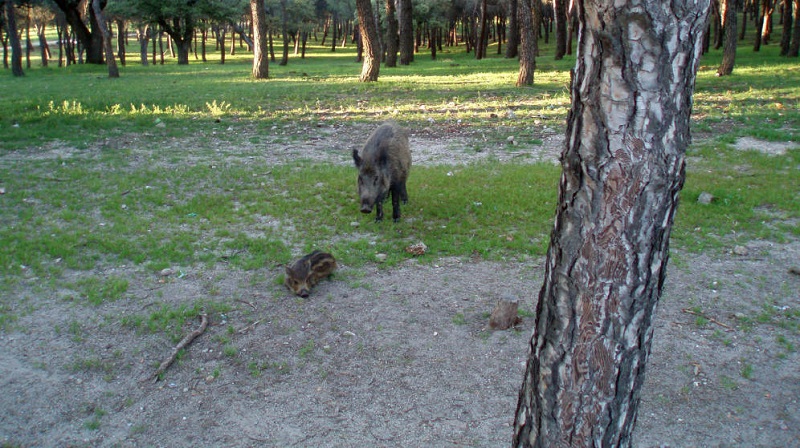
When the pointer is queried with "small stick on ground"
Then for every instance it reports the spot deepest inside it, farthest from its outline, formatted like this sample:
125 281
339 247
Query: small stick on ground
248 303
184 342
710 319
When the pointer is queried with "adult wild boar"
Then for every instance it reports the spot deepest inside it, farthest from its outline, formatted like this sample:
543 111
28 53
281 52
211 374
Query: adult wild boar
383 164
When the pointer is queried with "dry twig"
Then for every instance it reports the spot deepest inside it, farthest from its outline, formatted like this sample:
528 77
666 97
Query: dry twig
710 319
184 342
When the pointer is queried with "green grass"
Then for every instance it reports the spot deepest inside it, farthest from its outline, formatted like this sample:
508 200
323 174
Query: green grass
78 193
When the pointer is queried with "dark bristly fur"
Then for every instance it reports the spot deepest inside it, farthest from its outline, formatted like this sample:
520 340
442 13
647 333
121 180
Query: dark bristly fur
306 272
383 164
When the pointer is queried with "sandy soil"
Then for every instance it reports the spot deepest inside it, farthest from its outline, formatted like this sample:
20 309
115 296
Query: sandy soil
385 357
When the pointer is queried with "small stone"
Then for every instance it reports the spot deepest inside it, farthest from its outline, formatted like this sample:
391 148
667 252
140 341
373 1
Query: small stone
705 198
380 257
740 250
166 272
355 224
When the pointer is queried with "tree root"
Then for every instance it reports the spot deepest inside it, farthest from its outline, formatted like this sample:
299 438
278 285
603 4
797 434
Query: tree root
184 342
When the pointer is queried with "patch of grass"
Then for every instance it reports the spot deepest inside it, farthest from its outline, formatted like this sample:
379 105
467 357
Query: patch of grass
459 319
96 290
747 371
728 382
306 349
230 351
173 320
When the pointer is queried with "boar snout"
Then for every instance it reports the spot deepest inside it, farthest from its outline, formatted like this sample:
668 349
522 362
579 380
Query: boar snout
366 207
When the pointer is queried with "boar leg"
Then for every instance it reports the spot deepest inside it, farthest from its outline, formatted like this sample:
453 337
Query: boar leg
379 211
395 204
403 193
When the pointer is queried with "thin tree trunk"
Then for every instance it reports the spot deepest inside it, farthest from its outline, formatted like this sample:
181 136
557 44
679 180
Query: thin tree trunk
794 48
728 12
786 34
623 169
392 34
111 63
528 21
561 17
406 32
14 42
514 30
260 51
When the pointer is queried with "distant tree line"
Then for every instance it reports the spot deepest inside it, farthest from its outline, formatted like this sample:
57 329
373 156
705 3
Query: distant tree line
178 29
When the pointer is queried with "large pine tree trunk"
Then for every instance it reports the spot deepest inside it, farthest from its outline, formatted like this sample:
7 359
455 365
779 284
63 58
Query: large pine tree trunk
260 50
623 167
369 37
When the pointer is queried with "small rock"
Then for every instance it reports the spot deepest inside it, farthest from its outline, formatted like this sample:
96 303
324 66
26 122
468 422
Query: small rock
355 224
740 250
380 257
166 272
705 198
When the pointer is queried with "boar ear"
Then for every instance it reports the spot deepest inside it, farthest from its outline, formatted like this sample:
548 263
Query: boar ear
356 158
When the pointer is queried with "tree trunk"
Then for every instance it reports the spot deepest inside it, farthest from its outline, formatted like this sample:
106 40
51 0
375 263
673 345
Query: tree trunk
483 24
369 36
561 17
92 41
786 34
728 13
794 47
759 25
514 30
392 34
623 167
260 51
122 39
529 19
285 32
13 36
111 63
406 32
143 36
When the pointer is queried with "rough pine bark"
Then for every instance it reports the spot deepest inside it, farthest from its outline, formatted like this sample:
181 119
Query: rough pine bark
729 30
623 167
260 50
369 37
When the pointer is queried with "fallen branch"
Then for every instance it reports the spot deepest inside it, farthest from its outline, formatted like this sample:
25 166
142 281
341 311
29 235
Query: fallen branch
184 342
710 319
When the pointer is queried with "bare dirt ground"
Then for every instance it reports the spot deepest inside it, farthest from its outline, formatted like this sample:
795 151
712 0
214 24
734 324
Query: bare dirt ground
385 357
